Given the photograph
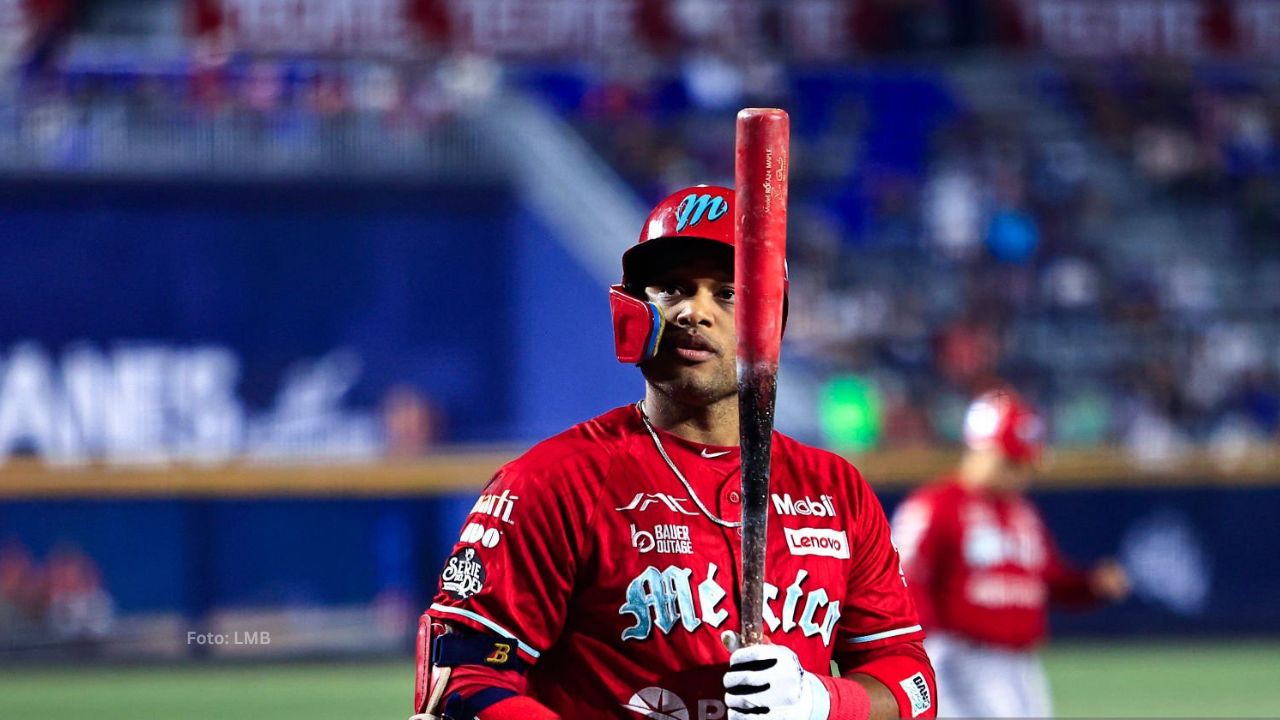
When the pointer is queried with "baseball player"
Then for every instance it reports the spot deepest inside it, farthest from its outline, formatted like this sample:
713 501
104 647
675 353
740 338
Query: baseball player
598 575
983 568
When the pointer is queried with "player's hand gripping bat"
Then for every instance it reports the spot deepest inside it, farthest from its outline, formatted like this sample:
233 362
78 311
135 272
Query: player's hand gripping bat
763 154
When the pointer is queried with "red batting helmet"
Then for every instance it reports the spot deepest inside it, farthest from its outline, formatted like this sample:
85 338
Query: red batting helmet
1002 420
703 213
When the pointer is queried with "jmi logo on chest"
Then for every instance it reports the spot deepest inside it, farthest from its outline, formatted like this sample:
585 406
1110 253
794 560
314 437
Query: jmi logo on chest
665 598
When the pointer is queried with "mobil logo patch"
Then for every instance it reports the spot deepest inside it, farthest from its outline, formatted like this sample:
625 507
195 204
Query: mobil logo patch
784 504
817 541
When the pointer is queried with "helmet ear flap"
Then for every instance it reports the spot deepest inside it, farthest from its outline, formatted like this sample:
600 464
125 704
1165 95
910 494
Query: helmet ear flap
637 326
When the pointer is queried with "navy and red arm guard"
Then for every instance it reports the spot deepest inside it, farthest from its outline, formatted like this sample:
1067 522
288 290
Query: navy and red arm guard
485 677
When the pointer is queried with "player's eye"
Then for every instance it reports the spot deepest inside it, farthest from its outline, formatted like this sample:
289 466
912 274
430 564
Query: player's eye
667 292
726 293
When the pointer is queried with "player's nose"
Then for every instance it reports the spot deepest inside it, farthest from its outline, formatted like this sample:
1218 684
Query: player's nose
697 310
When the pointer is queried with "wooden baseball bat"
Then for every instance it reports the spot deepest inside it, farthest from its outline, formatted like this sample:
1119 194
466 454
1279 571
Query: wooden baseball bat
760 176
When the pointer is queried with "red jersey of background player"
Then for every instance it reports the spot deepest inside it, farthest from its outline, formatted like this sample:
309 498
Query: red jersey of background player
592 554
983 565
980 560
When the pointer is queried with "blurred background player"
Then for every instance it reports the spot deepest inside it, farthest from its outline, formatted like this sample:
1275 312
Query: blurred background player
984 569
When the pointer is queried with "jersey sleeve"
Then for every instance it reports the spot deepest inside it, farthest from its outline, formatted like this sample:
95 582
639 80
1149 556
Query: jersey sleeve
513 569
905 670
878 609
917 526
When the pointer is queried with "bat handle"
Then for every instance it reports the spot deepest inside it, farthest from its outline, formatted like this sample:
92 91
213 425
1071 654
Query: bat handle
757 391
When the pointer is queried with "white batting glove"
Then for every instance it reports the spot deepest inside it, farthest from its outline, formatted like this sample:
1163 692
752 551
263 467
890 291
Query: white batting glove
766 682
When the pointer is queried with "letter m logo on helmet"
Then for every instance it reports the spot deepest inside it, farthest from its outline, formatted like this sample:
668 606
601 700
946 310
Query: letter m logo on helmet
703 211
694 207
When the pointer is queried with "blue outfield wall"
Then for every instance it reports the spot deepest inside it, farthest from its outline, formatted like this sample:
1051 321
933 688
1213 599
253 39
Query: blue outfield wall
1206 560
403 275
563 338
459 291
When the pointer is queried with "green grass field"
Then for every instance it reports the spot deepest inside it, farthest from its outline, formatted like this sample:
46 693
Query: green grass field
1207 680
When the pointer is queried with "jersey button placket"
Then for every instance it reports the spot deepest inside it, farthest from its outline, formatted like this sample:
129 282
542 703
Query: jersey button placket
729 498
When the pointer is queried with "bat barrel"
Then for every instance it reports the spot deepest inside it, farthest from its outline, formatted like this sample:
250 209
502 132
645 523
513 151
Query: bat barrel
760 280
762 160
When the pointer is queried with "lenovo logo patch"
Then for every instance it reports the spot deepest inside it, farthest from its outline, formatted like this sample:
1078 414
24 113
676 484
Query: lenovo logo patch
815 541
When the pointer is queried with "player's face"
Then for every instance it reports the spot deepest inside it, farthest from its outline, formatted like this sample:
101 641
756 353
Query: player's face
1014 476
695 363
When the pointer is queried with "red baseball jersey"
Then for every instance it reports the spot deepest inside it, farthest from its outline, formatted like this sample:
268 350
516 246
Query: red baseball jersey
615 578
983 565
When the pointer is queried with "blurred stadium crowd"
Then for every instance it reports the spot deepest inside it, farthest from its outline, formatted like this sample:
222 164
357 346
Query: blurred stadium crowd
942 240
954 221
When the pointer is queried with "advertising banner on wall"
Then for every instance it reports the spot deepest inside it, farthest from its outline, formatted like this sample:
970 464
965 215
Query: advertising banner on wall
802 30
1153 28
202 322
